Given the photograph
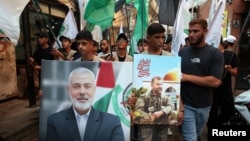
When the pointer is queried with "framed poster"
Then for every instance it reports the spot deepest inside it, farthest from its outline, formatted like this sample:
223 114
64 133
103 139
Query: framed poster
156 85
113 84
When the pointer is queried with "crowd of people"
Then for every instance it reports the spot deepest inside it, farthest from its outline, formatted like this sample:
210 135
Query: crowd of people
206 83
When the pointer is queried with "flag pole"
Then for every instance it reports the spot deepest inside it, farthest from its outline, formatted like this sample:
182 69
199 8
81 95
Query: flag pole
242 30
37 7
128 17
192 10
111 54
143 8
240 36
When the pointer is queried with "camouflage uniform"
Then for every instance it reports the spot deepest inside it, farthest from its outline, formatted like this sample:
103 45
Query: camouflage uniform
149 129
148 104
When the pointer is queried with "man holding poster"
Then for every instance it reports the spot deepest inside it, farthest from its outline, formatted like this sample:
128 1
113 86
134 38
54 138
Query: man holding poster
82 121
155 38
202 70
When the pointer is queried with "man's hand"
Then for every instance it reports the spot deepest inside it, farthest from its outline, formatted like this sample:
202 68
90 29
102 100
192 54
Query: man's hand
33 63
157 114
55 52
247 77
131 100
31 60
228 67
180 117
109 58
37 67
40 93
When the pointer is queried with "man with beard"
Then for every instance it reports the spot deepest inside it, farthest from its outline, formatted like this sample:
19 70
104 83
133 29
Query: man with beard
202 70
81 121
155 108
105 48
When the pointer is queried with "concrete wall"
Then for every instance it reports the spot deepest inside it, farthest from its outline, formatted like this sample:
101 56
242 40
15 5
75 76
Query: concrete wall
235 11
8 77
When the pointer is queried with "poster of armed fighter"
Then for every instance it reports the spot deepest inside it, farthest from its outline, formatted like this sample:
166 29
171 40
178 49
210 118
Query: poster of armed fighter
156 86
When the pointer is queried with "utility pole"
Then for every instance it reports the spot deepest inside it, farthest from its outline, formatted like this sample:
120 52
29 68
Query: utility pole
28 53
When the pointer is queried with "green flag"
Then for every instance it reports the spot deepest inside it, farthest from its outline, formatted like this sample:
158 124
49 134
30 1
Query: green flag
141 19
132 46
1 31
103 103
128 1
100 12
140 25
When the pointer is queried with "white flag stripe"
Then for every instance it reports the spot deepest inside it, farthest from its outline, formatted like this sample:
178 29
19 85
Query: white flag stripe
68 28
214 32
122 79
9 19
212 12
121 29
82 7
97 31
182 19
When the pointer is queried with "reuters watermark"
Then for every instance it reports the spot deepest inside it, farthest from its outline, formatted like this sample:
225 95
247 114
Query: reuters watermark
237 132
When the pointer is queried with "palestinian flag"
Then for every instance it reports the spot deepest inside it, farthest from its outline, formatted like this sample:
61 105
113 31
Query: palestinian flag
113 82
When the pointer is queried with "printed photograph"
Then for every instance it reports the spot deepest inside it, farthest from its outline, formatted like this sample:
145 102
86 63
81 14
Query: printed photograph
85 94
156 85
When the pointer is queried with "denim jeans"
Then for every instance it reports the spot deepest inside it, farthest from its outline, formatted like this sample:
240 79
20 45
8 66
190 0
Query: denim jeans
194 121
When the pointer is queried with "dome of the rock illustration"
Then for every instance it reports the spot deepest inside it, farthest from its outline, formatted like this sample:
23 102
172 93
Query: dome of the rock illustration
172 75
